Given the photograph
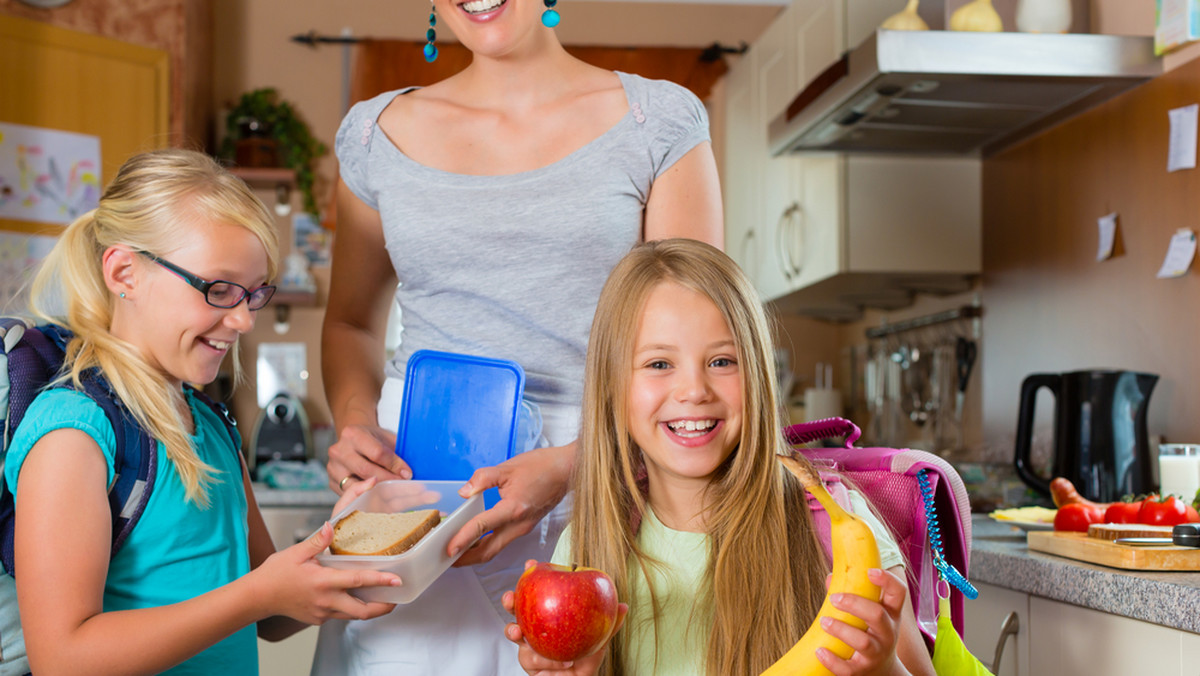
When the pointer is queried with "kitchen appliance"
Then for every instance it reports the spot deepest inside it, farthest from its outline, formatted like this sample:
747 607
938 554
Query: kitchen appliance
955 92
281 431
1100 438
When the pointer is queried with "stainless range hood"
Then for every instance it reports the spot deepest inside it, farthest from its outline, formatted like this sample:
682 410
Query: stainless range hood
950 92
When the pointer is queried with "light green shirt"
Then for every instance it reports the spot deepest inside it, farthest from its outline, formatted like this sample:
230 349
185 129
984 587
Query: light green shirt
684 624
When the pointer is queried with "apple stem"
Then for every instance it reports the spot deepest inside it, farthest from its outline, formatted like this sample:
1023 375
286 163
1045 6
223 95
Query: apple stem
574 566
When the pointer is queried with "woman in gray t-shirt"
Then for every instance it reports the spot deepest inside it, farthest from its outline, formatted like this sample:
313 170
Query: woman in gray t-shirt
491 207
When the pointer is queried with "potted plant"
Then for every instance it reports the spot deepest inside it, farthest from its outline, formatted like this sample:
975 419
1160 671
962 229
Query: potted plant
262 130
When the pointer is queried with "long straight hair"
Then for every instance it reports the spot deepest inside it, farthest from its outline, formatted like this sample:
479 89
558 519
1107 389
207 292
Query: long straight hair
154 198
766 570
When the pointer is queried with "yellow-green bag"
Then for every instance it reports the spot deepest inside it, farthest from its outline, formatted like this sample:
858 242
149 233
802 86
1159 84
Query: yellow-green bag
950 655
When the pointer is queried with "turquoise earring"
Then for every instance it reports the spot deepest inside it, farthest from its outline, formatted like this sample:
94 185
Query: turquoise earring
430 36
122 294
550 17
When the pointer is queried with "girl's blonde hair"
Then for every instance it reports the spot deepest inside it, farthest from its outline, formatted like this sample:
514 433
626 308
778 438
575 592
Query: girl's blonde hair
766 569
155 198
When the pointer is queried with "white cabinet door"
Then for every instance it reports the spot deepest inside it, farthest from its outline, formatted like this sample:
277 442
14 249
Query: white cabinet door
745 153
984 620
864 16
820 37
1069 640
776 66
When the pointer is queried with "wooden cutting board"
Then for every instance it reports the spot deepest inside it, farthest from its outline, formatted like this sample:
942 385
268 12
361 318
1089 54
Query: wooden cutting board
1079 546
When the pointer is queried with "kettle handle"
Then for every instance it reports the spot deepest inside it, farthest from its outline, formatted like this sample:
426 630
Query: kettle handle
1021 459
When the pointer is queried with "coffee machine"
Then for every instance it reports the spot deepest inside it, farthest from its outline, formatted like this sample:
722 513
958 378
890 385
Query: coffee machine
281 431
1100 440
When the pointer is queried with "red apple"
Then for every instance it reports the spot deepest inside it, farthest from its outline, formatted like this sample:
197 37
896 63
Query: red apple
565 612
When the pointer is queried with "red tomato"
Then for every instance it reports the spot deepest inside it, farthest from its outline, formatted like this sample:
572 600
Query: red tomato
1122 512
1168 511
1077 517
1192 515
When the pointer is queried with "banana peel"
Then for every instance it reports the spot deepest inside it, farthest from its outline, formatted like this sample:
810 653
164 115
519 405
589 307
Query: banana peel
854 553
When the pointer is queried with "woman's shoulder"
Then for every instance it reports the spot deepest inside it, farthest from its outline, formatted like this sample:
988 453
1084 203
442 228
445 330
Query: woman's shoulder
660 94
364 114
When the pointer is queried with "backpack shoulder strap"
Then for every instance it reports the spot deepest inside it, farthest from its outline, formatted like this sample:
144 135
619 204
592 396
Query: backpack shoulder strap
33 359
223 414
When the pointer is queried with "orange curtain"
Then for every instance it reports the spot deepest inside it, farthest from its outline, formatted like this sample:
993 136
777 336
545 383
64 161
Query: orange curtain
383 65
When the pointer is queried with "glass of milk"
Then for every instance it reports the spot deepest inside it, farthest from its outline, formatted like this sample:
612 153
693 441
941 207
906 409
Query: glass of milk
1179 469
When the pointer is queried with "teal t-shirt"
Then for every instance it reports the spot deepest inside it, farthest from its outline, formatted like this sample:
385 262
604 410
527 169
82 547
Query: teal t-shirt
177 550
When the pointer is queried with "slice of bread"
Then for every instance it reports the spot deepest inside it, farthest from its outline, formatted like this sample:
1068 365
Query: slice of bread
1112 531
381 534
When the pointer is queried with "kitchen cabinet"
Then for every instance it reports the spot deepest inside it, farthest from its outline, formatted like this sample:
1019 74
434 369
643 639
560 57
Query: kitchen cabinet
1061 638
817 233
984 618
287 526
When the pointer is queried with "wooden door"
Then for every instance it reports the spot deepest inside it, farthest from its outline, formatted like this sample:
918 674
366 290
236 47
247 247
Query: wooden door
69 81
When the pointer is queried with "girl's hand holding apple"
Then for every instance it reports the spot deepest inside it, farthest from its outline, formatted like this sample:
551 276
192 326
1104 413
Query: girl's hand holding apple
565 618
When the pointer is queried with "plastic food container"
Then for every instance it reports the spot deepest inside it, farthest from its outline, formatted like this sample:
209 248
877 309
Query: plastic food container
427 560
460 413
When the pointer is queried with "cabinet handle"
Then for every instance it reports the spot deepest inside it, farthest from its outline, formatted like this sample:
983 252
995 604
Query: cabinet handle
748 255
784 236
1008 627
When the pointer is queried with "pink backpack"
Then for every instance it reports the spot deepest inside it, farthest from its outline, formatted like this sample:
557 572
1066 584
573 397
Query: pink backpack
896 482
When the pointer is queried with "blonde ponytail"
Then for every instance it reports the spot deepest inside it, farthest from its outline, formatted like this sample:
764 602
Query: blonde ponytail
145 207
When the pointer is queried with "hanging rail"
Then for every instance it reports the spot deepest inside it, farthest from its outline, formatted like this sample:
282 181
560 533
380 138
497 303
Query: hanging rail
713 52
964 312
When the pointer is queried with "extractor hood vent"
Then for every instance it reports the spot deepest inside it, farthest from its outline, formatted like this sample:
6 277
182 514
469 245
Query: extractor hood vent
960 93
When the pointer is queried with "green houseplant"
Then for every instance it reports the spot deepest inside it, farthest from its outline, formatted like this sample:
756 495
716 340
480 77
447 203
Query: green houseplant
262 114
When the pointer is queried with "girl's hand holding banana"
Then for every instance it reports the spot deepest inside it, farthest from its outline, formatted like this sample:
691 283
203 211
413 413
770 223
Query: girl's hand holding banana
875 646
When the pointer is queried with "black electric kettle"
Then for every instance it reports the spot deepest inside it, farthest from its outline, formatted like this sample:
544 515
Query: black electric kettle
1100 438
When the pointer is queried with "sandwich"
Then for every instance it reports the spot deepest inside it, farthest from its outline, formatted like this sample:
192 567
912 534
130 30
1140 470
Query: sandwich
382 534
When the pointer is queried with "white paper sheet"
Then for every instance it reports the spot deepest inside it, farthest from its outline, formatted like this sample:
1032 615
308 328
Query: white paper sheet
1182 151
1180 253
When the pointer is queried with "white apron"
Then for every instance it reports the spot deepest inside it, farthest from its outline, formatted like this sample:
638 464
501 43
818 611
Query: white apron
457 625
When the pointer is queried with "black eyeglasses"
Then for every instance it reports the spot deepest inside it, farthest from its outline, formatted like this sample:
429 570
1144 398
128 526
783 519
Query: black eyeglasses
219 293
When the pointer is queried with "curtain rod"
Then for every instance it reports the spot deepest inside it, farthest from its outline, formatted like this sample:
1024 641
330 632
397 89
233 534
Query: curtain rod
964 312
312 38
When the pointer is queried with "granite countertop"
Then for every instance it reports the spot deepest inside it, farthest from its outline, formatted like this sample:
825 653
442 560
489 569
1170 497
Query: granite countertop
1000 557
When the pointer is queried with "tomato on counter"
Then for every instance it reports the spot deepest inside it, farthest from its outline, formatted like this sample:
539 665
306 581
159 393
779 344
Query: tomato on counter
1167 511
1078 516
1123 512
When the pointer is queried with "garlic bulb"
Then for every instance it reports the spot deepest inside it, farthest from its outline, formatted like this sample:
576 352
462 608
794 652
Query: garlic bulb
977 15
906 19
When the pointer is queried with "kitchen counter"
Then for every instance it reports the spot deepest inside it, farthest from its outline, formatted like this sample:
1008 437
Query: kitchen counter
276 497
999 556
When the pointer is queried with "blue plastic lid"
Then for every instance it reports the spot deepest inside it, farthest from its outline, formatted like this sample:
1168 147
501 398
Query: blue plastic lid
459 413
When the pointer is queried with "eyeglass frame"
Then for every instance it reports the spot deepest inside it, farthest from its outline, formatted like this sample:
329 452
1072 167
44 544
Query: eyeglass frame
203 285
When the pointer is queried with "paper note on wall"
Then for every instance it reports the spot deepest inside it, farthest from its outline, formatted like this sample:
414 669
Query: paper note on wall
1180 253
1182 151
1108 235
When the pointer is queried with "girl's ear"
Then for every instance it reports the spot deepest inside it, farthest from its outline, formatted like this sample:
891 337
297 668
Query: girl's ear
120 274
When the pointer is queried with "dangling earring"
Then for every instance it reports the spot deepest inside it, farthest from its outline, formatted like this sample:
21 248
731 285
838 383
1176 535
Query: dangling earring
431 35
550 17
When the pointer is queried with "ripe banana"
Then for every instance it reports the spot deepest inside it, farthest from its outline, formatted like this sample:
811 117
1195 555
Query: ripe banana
906 19
854 552
978 15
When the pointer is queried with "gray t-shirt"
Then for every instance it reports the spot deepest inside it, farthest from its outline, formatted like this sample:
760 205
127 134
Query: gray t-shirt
511 267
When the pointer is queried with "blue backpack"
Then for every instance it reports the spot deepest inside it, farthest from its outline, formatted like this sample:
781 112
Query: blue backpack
30 359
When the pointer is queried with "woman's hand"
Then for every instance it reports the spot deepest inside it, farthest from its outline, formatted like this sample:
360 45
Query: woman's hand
292 583
530 484
875 646
362 452
536 665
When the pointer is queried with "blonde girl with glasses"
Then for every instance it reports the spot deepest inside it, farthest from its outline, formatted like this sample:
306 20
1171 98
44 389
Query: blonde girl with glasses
156 285
680 497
